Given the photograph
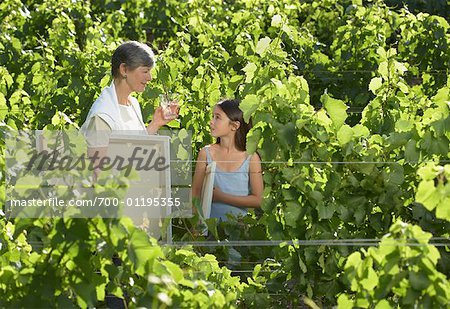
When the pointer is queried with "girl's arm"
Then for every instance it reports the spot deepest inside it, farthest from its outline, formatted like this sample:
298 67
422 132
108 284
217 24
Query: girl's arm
254 199
199 174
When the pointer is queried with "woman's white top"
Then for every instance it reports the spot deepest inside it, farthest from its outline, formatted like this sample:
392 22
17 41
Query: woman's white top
130 120
107 115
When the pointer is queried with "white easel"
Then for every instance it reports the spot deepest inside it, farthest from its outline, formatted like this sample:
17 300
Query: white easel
150 181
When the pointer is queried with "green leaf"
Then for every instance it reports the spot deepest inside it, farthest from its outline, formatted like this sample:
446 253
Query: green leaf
28 181
426 194
276 21
240 50
383 69
360 131
249 70
37 79
401 69
182 153
443 209
353 261
345 134
411 152
253 138
140 251
403 88
419 280
375 84
292 213
262 45
100 290
3 107
182 134
396 174
382 53
193 21
344 302
196 83
326 211
359 214
236 79
302 265
105 81
249 105
404 125
323 118
371 281
383 304
56 119
336 109
174 270
288 135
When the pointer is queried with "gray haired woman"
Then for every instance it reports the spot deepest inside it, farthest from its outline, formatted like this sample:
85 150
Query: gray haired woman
115 109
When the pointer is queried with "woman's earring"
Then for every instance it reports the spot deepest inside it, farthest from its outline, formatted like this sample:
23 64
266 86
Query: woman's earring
125 76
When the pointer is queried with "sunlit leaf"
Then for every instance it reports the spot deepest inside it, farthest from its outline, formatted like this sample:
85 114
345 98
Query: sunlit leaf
336 109
263 45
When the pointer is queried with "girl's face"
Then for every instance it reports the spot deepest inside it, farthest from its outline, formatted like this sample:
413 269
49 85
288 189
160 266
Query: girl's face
220 124
138 78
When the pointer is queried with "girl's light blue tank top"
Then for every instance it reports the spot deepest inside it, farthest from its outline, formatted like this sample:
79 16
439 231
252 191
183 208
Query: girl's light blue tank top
235 183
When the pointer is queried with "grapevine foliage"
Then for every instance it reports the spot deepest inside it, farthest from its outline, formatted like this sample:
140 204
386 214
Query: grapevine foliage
350 106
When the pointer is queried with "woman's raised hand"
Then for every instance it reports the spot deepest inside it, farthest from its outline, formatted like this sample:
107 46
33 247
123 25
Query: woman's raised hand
159 120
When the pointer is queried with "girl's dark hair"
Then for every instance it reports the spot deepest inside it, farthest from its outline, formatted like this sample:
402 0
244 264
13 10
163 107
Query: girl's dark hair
232 110
133 54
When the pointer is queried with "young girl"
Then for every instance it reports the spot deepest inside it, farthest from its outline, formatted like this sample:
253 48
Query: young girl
238 182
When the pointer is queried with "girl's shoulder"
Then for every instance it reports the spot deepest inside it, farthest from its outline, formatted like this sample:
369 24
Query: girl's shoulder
206 148
211 147
206 151
255 163
254 156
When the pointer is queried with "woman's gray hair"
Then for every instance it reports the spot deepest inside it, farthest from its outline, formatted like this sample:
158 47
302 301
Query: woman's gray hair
133 54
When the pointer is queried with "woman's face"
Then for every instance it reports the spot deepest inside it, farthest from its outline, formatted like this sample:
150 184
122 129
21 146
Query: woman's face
138 78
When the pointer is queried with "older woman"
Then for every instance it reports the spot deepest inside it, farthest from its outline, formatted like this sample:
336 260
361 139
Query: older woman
115 109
